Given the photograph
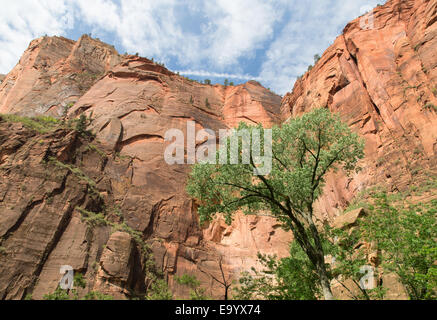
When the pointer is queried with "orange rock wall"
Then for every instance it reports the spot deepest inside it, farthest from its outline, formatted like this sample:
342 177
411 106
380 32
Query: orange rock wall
382 81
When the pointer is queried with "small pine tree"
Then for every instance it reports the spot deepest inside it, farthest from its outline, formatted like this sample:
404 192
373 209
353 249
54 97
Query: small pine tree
207 103
159 291
191 282
81 124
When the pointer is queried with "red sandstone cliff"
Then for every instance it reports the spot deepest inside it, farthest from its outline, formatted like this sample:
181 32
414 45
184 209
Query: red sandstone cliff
382 81
132 102
54 72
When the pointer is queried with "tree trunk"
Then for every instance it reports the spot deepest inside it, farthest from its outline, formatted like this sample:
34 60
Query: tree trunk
320 256
315 253
325 284
318 259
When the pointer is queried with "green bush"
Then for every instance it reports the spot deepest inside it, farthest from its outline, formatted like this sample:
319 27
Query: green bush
40 124
430 106
95 295
292 278
81 124
159 291
406 234
191 282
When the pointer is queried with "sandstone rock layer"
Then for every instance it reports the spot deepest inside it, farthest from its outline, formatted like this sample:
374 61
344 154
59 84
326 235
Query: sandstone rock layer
380 78
132 103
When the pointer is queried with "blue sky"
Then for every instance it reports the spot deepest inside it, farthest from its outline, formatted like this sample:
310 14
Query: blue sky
269 41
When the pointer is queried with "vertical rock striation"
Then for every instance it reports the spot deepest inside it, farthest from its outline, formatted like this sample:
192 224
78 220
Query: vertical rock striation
94 204
381 79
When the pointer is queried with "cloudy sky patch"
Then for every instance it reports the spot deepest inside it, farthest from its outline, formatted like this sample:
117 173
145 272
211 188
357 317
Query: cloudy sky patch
269 41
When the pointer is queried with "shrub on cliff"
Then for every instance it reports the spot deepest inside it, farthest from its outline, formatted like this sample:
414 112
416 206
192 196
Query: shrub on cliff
406 236
196 292
40 124
159 290
292 278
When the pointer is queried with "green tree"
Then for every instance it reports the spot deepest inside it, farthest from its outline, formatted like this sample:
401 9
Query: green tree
196 293
82 124
95 295
226 83
304 150
292 278
406 235
59 294
207 81
159 291
350 257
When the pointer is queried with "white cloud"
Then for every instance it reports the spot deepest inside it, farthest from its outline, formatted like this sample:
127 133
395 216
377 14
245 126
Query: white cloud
101 14
237 28
220 36
151 28
312 27
227 29
218 75
21 21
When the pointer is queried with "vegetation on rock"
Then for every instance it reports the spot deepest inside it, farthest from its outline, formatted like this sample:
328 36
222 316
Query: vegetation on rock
304 150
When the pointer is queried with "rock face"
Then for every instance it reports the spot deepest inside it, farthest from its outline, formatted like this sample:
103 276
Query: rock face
381 79
39 225
67 200
53 73
132 102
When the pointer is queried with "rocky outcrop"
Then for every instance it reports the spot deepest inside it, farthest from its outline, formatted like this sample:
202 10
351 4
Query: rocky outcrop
53 73
132 108
40 227
60 206
348 219
132 104
2 77
381 78
95 204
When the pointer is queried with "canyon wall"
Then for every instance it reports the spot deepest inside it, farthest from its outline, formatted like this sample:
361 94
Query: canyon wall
381 79
132 102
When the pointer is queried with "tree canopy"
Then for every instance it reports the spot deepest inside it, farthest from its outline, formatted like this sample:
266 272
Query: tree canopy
303 151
